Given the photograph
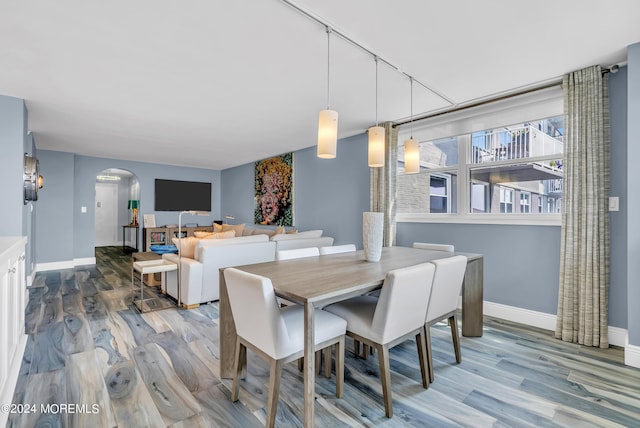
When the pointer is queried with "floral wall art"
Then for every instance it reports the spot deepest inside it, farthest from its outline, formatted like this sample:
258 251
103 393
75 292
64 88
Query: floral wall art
274 190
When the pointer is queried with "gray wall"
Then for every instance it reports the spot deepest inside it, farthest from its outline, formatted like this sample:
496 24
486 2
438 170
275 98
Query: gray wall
55 226
79 190
521 263
12 144
16 218
329 194
633 206
618 220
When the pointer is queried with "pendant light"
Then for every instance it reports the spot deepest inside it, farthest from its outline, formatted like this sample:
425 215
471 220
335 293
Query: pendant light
376 135
411 146
328 119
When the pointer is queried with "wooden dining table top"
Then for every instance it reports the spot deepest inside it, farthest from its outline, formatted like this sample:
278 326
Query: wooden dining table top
324 279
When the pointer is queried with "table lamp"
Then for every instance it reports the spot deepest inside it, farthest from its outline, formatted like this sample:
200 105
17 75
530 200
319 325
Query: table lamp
134 205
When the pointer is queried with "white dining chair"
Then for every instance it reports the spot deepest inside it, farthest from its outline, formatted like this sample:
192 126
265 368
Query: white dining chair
434 247
276 334
297 253
443 303
336 249
391 319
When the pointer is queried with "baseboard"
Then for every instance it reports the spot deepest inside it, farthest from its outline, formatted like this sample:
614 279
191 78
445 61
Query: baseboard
523 316
84 261
67 264
6 394
617 335
632 355
30 279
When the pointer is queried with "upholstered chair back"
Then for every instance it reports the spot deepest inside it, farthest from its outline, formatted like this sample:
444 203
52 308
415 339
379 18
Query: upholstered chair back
447 283
256 312
297 253
335 249
434 247
402 305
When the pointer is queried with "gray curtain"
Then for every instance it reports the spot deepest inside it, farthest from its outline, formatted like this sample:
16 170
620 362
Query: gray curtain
584 259
382 194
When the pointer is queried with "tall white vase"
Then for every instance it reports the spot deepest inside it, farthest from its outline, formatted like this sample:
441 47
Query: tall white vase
372 225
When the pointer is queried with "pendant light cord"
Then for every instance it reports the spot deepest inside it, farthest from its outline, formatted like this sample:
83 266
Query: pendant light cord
411 86
328 65
375 58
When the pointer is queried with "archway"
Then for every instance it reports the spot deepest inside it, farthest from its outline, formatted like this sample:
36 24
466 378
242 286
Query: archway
114 189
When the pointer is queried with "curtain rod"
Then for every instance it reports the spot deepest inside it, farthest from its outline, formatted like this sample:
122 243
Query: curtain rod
361 47
472 104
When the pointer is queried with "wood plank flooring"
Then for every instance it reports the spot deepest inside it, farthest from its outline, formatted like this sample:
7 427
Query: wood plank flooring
88 346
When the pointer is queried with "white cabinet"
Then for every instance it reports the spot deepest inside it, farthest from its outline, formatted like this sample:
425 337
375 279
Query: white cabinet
12 306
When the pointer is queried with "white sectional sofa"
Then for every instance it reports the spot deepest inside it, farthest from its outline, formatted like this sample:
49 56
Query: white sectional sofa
200 281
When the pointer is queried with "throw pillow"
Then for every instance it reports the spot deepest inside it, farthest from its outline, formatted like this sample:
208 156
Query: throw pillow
239 228
188 248
217 227
279 230
203 234
225 235
215 235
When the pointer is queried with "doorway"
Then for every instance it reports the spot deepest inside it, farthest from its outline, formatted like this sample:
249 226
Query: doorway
114 189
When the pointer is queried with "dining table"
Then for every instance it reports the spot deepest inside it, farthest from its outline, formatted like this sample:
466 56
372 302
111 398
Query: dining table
317 281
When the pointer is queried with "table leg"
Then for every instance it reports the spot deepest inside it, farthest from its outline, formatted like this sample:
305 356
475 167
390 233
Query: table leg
133 290
309 364
472 299
227 331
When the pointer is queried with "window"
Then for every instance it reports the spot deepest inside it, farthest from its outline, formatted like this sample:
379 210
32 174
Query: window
506 200
513 168
525 202
433 189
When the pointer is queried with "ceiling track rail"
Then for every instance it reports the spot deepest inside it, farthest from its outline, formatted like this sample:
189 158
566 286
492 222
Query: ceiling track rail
343 36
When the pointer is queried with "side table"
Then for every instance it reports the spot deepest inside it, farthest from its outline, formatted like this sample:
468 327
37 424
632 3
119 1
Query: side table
150 267
124 229
150 279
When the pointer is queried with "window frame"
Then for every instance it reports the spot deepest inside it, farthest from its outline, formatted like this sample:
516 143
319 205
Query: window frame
540 104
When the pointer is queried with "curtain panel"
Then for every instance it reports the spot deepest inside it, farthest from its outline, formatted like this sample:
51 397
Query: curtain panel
584 253
382 185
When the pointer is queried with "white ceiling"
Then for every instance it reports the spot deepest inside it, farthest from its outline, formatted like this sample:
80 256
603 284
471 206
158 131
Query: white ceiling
215 84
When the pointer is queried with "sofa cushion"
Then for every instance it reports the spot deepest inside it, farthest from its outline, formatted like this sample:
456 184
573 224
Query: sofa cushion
299 235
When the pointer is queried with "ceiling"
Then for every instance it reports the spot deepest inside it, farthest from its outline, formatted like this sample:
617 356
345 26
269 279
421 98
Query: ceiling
215 84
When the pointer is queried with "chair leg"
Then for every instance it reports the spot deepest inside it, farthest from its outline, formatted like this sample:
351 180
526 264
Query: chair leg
422 357
237 369
456 338
340 368
327 361
318 361
385 378
274 392
427 335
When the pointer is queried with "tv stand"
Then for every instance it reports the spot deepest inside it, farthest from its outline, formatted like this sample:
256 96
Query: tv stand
164 235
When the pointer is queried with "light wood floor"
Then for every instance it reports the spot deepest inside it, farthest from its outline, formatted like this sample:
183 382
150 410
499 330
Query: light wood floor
89 348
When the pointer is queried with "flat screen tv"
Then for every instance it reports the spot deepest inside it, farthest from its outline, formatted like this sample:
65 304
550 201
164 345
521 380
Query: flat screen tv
173 195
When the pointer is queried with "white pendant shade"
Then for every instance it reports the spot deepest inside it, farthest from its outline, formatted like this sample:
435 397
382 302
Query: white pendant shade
411 156
327 134
376 146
